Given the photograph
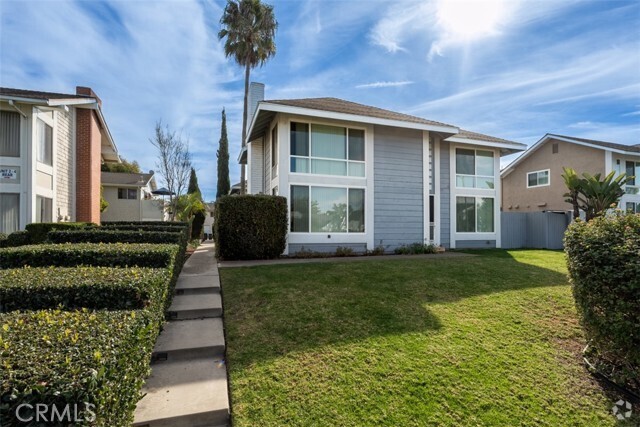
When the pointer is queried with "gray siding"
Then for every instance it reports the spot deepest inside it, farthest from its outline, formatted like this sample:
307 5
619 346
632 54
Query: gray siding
327 247
445 195
475 244
398 192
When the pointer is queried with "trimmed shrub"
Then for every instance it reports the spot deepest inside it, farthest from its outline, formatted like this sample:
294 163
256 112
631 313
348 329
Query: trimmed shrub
197 225
117 236
3 239
17 238
143 227
250 227
603 257
38 230
145 223
415 249
96 361
83 287
96 254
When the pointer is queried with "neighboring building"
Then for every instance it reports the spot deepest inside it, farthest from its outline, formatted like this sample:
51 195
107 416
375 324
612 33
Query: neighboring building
51 148
533 182
129 197
361 177
210 210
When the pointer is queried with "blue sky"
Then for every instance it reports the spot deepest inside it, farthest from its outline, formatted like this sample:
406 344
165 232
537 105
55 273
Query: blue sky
513 69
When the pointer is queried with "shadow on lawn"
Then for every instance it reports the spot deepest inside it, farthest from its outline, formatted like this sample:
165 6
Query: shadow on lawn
271 311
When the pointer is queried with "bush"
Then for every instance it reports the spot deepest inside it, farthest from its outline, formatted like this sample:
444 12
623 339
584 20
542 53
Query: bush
415 249
99 235
17 238
3 239
95 254
117 224
344 251
38 230
75 358
603 257
83 287
197 225
250 227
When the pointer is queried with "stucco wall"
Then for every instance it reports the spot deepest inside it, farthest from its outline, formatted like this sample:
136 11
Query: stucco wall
516 197
119 209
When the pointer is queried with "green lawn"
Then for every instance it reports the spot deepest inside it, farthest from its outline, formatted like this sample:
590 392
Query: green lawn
489 340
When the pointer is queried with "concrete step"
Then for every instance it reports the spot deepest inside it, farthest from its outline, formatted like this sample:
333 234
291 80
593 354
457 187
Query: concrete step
186 307
188 339
197 285
185 393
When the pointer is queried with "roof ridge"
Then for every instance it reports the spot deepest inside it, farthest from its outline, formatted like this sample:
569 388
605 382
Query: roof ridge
9 90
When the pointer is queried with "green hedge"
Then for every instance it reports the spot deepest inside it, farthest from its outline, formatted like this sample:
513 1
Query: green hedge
117 236
117 224
603 257
250 227
96 254
143 227
17 238
76 358
83 287
38 230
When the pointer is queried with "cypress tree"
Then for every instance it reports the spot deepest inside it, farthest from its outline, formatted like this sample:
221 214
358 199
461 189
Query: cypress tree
193 182
224 185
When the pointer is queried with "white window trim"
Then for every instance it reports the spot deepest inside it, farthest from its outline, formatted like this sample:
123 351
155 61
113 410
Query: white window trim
309 157
475 176
475 225
548 171
474 192
321 233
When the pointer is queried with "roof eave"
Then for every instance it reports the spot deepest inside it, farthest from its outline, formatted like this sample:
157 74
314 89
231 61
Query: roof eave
311 112
506 147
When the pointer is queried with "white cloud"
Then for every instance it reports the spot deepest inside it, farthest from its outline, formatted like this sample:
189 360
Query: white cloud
384 84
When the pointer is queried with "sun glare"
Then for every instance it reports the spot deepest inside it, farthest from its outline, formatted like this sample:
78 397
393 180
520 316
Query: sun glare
468 20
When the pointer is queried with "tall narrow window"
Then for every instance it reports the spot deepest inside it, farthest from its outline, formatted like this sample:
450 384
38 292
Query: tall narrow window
274 146
9 212
44 209
299 208
356 210
9 134
45 143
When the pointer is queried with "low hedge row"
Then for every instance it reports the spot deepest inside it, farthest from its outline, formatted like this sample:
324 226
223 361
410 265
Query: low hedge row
117 236
95 288
250 226
96 254
38 230
143 227
94 362
116 224
17 238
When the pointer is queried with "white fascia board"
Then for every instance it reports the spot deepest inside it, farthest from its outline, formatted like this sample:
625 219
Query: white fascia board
71 101
599 147
243 151
524 155
512 146
279 108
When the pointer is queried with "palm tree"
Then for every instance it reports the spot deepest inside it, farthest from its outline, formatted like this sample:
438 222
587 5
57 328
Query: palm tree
600 195
250 28
573 182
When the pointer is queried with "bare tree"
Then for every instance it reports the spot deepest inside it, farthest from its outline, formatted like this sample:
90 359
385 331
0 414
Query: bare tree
174 162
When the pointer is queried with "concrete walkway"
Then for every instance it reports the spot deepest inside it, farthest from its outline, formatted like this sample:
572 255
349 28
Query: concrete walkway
254 263
188 382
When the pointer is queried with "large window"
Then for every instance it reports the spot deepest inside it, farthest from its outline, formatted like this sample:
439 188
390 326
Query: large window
9 134
633 207
474 169
633 169
44 209
127 193
45 143
9 212
474 214
327 150
538 179
327 209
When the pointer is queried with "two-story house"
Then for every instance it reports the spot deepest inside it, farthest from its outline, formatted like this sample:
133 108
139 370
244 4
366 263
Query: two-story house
51 148
130 197
533 182
362 177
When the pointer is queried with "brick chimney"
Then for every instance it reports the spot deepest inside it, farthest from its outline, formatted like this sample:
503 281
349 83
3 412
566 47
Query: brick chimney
88 160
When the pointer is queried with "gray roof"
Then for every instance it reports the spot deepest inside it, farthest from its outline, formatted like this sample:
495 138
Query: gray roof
128 179
603 144
348 107
480 137
39 95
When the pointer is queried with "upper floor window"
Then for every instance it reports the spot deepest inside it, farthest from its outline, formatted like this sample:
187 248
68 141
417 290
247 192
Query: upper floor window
474 169
44 134
538 178
127 193
9 134
327 150
633 169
